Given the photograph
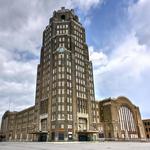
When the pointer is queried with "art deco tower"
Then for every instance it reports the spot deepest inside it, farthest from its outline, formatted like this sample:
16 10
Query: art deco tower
65 88
65 107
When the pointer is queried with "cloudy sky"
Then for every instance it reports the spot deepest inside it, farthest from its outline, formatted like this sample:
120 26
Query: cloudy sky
117 33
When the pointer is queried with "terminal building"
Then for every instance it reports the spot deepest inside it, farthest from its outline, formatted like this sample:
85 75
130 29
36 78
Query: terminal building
65 107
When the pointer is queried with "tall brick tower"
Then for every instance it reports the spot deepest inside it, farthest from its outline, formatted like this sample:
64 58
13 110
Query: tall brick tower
65 108
65 89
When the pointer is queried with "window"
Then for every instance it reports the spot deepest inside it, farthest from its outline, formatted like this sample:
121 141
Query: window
67 108
62 99
63 83
63 17
59 117
61 136
59 62
69 126
62 69
59 91
62 107
63 91
44 124
53 126
43 106
58 107
62 126
127 124
70 108
59 83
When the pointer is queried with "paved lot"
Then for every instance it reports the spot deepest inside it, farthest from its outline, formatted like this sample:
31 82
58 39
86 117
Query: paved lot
74 146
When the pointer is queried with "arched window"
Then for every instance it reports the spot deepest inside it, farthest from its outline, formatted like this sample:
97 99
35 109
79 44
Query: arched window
126 119
63 17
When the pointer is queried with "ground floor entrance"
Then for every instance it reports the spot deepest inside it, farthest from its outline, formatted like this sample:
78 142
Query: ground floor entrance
42 137
61 135
83 137
87 136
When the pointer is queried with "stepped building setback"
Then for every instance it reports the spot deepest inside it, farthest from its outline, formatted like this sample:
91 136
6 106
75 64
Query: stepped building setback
65 107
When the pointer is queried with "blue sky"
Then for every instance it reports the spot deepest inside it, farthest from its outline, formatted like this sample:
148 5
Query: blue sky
118 36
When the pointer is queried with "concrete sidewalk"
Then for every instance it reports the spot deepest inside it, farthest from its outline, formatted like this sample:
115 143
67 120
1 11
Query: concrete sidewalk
74 146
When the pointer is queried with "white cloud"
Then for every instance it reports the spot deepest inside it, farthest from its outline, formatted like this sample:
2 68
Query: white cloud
140 20
98 58
17 82
86 5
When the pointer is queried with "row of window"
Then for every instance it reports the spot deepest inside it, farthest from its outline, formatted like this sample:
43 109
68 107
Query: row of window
79 68
147 129
77 33
61 69
79 51
61 62
61 99
80 88
82 106
62 39
78 39
91 91
61 84
61 108
62 126
78 28
147 123
61 116
61 91
61 76
80 75
60 56
78 44
81 95
80 81
79 62
62 26
95 106
79 55
95 113
62 32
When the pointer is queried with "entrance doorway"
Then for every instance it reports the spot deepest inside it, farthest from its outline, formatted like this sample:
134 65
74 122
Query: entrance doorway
61 136
83 137
42 137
